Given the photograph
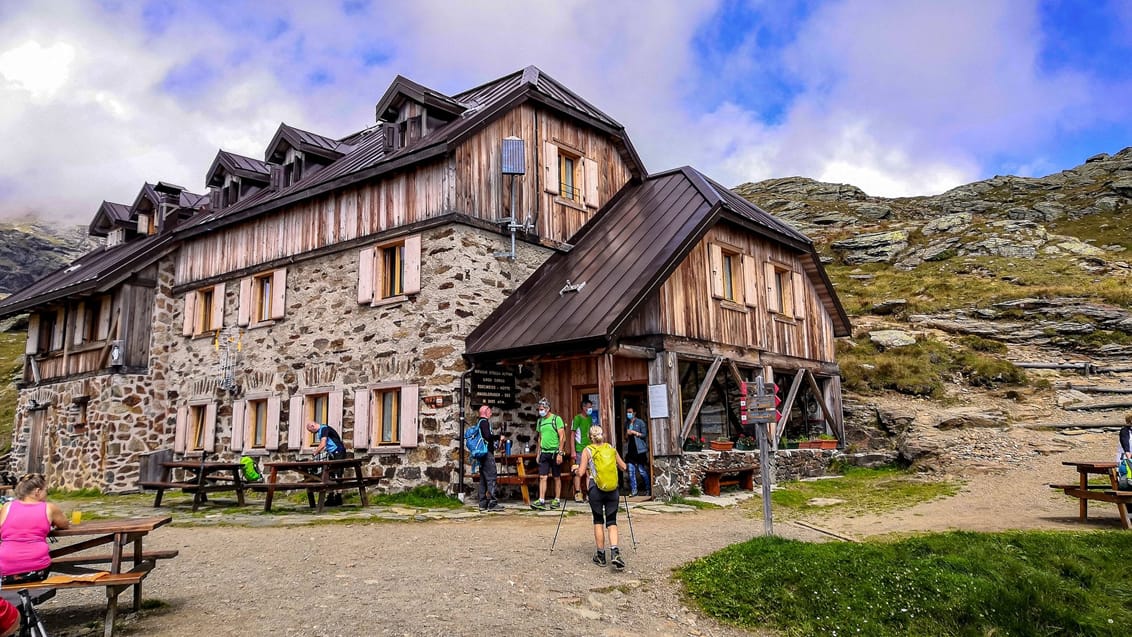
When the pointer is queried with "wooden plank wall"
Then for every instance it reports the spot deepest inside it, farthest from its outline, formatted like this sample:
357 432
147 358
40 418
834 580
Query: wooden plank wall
684 306
413 195
483 191
562 380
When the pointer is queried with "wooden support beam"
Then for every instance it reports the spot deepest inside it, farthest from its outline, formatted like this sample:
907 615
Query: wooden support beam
634 351
701 396
735 372
605 396
826 412
788 405
665 370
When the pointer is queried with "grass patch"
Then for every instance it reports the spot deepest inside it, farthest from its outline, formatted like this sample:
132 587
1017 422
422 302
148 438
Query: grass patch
922 369
863 490
960 583
699 504
423 497
11 369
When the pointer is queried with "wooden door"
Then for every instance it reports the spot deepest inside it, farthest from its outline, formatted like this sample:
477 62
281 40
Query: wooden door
36 431
624 397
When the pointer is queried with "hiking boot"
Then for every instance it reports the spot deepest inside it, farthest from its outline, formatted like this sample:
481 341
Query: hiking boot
494 505
615 559
554 504
599 557
539 504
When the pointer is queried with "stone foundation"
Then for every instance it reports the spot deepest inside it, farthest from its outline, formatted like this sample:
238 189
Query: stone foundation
676 475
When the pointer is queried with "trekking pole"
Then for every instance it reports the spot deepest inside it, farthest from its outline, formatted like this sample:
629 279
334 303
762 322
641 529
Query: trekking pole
630 518
559 524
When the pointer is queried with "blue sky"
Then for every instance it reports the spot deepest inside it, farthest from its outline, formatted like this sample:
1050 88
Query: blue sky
897 97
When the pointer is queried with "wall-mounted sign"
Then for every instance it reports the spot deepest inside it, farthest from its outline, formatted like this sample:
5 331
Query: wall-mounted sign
494 386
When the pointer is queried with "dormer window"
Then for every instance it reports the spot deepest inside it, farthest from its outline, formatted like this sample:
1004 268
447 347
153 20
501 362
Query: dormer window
117 236
230 192
292 167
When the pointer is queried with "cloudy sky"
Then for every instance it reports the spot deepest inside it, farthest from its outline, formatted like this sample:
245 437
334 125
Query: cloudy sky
899 97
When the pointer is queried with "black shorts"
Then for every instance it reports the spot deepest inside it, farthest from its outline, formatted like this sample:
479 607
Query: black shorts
603 505
548 464
20 578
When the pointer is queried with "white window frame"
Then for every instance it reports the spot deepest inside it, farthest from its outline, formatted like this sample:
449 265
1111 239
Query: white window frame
367 432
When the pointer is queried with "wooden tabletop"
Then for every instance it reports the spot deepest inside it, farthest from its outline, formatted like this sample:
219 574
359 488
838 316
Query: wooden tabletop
122 525
189 464
309 464
1091 466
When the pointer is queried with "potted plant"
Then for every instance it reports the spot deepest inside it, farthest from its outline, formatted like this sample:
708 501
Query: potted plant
789 443
824 441
693 444
722 443
746 443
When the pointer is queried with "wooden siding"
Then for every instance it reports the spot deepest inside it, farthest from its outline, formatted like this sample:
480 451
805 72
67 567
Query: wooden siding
562 381
483 191
685 306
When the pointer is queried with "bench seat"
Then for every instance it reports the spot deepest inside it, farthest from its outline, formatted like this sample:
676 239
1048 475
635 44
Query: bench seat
114 583
80 558
1098 487
1122 499
716 479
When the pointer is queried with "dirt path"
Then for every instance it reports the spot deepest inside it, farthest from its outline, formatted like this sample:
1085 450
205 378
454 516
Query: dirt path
497 576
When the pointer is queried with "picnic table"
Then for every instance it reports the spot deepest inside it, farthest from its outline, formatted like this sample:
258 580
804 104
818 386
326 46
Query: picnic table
202 478
521 470
315 477
1084 491
125 566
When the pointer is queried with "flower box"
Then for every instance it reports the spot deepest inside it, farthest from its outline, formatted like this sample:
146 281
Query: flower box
817 444
693 447
722 445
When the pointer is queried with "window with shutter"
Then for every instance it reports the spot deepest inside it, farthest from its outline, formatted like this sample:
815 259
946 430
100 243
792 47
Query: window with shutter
784 291
320 406
390 271
257 411
197 428
204 310
391 416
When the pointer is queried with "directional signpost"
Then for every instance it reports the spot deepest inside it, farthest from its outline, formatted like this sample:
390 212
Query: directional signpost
763 414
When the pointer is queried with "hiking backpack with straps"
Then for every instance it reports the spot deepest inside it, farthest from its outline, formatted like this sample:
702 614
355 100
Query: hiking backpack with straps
473 440
603 466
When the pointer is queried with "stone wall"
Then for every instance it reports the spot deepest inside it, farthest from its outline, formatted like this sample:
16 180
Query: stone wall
675 475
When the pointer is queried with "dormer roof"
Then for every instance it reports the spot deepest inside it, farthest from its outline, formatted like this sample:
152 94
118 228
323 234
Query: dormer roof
403 89
305 141
238 165
109 216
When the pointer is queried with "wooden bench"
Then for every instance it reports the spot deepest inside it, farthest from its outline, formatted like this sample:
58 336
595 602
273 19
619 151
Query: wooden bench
1122 499
716 479
78 559
114 583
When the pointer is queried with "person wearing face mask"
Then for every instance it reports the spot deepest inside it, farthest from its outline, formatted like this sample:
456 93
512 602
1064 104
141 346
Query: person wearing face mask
581 428
637 452
551 443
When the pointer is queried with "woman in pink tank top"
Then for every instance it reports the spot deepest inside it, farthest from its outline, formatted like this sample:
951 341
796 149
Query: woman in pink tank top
24 525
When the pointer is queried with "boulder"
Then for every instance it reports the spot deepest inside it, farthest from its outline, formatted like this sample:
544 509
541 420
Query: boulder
873 247
889 339
953 223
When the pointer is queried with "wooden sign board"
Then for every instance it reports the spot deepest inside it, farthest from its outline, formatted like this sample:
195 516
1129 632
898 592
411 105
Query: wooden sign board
493 386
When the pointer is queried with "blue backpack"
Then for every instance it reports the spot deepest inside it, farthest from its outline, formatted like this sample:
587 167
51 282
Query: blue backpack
473 440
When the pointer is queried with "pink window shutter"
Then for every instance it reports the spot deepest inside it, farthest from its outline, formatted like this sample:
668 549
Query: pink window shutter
409 409
278 293
334 411
239 424
181 430
244 311
590 175
189 321
365 275
550 167
412 282
217 307
210 427
361 419
274 406
295 424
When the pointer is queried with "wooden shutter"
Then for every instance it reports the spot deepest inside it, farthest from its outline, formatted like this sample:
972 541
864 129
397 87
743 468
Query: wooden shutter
143 224
361 419
750 281
550 167
590 179
214 199
217 307
295 425
366 275
80 324
278 293
715 266
104 313
799 295
276 177
210 427
274 406
60 324
334 410
239 424
409 409
187 327
32 346
181 429
412 282
244 309
771 288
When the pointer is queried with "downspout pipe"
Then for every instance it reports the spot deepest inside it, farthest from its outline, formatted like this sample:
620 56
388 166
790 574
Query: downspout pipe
462 424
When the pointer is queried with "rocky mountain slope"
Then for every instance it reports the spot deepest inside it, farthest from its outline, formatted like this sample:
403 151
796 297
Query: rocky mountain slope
999 304
30 249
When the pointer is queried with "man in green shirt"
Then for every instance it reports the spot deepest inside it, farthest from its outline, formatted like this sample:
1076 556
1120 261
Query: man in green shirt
581 428
551 444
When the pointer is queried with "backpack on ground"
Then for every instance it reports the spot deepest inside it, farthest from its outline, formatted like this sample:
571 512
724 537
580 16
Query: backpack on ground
473 440
1124 475
603 466
250 470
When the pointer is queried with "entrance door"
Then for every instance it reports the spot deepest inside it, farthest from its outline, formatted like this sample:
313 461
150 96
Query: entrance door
624 397
36 430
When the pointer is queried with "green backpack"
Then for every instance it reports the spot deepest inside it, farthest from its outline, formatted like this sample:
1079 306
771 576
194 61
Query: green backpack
603 466
251 472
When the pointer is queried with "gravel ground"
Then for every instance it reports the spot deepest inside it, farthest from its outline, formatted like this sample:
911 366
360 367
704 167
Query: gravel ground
496 575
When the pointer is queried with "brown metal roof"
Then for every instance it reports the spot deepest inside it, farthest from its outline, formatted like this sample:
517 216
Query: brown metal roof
238 165
110 215
97 271
305 141
622 256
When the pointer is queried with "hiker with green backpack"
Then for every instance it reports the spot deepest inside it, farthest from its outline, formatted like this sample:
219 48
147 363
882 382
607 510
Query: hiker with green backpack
599 463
